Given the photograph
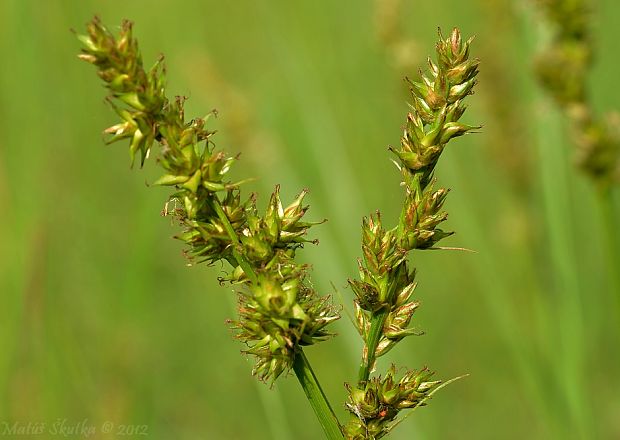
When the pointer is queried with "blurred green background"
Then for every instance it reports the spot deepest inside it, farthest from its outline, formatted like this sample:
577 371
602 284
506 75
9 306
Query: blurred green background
101 320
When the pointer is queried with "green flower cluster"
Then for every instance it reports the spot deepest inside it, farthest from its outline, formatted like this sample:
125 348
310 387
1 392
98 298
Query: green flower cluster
381 399
279 315
383 293
562 69
278 311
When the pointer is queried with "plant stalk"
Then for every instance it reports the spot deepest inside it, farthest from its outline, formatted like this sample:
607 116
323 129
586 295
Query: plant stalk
241 260
555 184
316 397
610 220
376 326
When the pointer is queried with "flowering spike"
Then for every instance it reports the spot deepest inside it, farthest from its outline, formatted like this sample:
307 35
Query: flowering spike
383 294
278 311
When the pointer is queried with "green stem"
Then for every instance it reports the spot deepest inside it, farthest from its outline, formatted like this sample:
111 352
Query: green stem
610 220
556 197
374 335
301 365
241 260
316 397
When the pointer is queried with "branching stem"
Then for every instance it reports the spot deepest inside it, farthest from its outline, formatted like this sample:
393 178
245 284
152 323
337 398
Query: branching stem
374 335
241 260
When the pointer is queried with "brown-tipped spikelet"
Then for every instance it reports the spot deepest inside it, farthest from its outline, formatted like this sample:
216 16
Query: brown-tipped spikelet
380 400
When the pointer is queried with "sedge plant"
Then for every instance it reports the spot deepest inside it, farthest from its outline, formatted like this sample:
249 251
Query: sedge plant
562 68
279 313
